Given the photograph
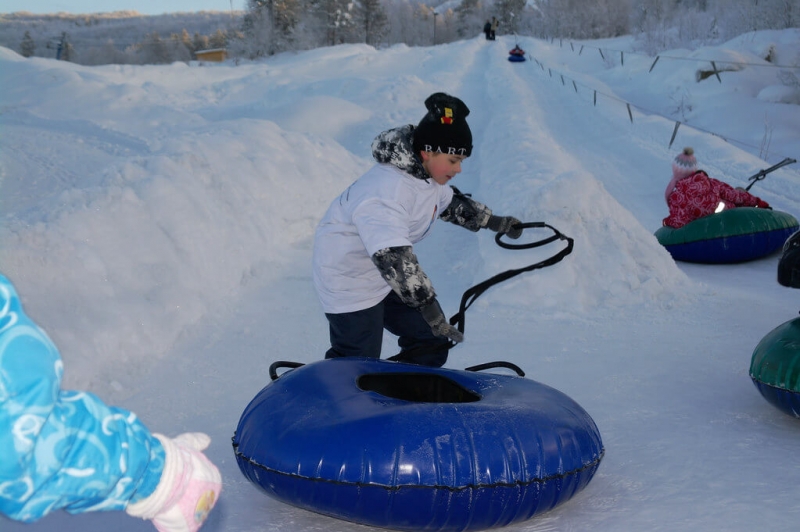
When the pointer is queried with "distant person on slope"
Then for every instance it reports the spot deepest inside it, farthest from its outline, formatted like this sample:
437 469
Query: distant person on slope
493 31
365 270
691 194
67 450
487 30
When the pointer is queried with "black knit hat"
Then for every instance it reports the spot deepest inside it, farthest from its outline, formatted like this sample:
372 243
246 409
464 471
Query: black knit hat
444 129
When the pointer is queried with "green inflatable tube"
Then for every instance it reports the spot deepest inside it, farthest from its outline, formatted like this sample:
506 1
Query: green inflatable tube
733 235
775 367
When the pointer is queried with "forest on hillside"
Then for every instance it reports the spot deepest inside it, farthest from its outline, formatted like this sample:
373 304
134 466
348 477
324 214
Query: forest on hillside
123 37
267 27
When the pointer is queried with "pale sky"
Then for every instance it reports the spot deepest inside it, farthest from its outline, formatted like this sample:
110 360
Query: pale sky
145 7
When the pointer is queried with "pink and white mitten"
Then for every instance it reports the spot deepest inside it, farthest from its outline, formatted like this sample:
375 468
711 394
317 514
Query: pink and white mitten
189 487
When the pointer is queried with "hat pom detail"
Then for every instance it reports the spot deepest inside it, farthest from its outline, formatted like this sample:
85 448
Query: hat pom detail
438 103
684 164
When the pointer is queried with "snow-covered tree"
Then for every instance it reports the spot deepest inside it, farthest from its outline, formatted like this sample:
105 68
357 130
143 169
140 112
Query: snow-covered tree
153 50
268 27
27 47
200 42
371 16
186 40
446 26
256 36
470 16
218 39
106 54
177 49
752 15
337 20
410 23
576 19
65 51
510 12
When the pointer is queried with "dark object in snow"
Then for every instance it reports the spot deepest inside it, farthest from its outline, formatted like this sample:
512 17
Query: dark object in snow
789 265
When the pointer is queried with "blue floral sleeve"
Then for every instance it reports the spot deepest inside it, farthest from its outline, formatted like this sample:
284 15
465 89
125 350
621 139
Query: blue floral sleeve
62 449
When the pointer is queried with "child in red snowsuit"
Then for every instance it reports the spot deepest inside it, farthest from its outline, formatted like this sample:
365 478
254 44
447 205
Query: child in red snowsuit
691 194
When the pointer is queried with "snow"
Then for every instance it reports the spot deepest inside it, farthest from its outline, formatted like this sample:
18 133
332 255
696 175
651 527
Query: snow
158 222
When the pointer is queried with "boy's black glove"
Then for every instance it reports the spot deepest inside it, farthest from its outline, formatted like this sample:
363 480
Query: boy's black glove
432 312
504 224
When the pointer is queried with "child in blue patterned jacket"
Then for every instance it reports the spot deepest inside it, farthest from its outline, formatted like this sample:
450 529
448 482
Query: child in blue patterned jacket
68 450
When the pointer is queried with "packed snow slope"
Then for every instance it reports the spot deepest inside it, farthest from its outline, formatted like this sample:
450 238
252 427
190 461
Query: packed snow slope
158 223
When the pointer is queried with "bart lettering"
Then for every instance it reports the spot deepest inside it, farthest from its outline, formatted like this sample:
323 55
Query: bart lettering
449 151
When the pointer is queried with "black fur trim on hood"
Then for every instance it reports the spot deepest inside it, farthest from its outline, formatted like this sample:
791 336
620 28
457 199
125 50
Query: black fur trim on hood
395 147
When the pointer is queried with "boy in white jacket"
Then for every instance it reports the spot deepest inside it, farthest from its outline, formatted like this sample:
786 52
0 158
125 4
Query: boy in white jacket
365 271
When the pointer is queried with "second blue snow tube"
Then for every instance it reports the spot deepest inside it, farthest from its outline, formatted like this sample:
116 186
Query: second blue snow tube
408 447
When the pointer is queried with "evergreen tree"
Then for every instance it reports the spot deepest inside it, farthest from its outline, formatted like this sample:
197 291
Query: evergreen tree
283 14
373 20
200 42
178 51
257 35
27 47
510 13
218 40
469 20
269 26
107 54
575 19
153 50
337 20
186 40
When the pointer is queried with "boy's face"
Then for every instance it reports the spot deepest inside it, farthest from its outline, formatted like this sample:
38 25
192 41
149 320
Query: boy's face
442 167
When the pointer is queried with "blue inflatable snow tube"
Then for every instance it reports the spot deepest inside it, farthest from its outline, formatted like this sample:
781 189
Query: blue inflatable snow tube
408 447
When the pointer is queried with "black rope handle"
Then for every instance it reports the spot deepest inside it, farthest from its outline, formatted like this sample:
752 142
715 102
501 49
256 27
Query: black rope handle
507 245
758 176
497 364
273 368
469 297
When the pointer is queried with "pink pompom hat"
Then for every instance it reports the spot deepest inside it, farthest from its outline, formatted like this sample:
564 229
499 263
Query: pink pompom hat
683 165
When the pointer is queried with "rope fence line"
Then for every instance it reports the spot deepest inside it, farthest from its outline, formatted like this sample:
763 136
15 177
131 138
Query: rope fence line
630 106
658 56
